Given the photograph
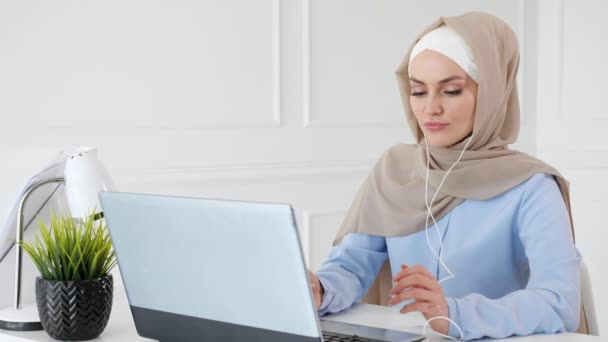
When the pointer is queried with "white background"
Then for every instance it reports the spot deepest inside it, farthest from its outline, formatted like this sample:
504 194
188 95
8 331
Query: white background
277 100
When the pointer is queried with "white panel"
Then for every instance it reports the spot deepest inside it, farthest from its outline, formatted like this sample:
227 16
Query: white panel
584 68
572 121
349 69
139 63
318 233
590 216
570 75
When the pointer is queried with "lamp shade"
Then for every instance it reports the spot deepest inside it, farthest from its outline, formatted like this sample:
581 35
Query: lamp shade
85 177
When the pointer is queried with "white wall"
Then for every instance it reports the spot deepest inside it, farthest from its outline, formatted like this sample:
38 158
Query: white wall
276 100
573 120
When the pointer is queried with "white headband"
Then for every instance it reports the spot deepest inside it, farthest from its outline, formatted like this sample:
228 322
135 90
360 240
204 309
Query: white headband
449 43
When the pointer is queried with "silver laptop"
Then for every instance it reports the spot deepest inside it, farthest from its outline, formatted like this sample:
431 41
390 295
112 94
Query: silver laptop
218 270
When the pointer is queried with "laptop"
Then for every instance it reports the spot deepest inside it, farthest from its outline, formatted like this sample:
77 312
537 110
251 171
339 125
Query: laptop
198 269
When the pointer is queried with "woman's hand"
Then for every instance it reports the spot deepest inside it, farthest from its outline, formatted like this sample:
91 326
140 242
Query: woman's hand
317 289
418 283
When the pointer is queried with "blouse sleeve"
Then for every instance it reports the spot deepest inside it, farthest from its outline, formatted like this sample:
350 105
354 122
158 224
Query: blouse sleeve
350 270
550 302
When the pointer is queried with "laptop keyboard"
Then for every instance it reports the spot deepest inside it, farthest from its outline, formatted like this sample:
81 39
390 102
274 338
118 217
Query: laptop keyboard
333 337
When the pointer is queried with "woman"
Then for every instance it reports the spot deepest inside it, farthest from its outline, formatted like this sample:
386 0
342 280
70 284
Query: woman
500 258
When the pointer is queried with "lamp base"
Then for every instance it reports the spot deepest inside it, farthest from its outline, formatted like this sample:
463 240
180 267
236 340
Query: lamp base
24 319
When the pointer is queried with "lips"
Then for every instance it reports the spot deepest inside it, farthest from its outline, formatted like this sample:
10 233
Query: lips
435 124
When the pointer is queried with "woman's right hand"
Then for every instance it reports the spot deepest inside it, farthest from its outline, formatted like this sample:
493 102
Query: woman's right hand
317 289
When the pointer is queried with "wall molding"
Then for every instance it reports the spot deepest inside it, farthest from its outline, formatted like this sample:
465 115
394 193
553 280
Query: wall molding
521 31
273 122
246 172
560 53
307 115
578 159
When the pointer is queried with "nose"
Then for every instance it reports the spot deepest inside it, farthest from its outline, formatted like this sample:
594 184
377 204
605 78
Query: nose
433 106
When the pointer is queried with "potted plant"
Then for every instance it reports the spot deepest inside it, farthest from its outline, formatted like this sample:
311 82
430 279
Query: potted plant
74 289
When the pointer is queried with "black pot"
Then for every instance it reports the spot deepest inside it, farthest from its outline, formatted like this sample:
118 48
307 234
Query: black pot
74 310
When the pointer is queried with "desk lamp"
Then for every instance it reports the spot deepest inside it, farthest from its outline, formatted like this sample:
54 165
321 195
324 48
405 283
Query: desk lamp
84 177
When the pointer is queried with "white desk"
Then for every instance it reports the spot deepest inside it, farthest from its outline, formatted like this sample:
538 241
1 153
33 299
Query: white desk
121 327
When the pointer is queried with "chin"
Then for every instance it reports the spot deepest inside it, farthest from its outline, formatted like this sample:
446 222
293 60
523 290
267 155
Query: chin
439 142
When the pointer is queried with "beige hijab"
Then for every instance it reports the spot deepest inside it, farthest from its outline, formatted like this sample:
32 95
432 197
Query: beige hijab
391 201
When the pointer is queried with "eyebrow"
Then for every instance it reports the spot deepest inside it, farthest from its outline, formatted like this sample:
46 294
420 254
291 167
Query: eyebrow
445 80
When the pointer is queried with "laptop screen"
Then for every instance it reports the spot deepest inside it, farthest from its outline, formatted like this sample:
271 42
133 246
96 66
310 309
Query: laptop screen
228 261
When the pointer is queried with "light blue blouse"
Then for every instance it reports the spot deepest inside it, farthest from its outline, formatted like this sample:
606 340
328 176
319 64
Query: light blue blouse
515 264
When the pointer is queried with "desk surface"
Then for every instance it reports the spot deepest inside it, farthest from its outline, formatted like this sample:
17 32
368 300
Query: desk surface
121 326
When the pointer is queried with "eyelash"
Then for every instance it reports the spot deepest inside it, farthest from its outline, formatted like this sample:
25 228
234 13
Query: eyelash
453 93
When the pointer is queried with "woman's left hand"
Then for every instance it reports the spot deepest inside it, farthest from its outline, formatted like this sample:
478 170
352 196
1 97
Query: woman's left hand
418 283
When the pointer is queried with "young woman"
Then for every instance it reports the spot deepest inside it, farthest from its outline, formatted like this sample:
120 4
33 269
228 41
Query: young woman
478 236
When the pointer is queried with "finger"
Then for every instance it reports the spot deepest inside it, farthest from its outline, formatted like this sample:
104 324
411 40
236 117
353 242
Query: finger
313 278
411 270
318 300
416 307
403 267
417 294
416 280
315 289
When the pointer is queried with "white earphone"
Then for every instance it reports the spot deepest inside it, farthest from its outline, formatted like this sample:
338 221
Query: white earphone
430 214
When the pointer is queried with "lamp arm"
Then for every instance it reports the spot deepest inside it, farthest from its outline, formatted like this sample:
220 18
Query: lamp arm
27 224
18 250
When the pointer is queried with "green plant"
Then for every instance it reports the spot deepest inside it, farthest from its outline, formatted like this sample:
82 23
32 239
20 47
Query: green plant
70 250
